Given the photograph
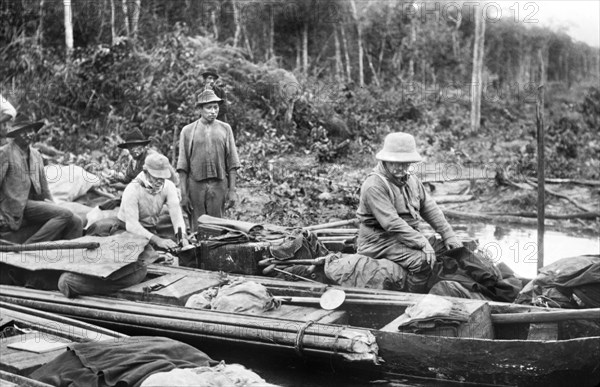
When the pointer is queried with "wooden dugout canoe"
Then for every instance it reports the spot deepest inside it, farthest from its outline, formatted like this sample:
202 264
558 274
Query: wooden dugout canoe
521 353
30 338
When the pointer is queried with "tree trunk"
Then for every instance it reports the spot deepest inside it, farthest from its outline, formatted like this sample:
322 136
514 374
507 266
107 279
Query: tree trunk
215 26
299 53
375 78
101 12
113 30
305 49
476 78
346 54
135 17
361 75
383 40
237 23
68 28
126 16
40 30
338 55
271 52
413 50
247 42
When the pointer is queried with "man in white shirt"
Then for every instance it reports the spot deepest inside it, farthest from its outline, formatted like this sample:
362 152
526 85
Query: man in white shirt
143 200
141 205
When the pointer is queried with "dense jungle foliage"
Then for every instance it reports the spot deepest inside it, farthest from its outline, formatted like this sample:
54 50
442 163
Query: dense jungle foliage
292 74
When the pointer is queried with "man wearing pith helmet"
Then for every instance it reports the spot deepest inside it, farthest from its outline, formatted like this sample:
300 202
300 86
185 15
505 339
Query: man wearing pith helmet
392 202
208 162
140 213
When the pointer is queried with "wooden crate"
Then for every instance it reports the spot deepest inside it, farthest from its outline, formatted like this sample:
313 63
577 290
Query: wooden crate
478 326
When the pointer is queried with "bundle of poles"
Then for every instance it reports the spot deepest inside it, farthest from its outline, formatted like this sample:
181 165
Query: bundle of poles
335 231
353 344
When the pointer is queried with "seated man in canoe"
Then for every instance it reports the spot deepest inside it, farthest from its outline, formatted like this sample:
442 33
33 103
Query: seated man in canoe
140 210
392 201
26 201
142 203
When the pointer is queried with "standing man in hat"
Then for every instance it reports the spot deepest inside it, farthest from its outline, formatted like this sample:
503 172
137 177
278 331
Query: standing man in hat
210 77
392 201
137 146
25 197
208 162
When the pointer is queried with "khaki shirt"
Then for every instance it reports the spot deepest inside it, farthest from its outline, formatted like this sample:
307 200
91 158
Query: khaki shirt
392 215
21 178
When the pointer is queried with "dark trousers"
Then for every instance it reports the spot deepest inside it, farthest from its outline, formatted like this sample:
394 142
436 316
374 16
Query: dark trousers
57 222
73 284
207 197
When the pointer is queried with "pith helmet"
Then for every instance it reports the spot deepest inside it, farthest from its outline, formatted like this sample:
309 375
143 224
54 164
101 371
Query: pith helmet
208 96
399 147
157 165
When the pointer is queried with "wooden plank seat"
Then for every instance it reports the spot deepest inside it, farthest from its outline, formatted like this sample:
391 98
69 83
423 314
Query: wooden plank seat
176 291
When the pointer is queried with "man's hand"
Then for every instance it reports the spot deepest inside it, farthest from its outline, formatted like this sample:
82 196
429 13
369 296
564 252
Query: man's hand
162 243
453 243
231 199
118 185
186 204
429 254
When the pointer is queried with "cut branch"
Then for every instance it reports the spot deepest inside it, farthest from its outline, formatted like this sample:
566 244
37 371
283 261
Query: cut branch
559 195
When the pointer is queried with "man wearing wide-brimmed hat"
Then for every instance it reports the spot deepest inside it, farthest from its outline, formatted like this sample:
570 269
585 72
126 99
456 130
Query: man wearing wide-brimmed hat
210 77
140 214
208 162
26 199
392 202
137 146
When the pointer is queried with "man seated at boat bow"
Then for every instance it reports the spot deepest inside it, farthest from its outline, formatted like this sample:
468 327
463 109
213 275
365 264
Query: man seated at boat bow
392 202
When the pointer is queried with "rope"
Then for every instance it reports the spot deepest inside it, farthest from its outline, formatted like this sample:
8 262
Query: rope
300 336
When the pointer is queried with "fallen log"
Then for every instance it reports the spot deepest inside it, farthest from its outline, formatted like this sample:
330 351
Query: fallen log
592 183
583 215
490 218
452 199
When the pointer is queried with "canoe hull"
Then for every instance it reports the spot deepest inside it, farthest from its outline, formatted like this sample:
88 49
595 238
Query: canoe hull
498 362
481 361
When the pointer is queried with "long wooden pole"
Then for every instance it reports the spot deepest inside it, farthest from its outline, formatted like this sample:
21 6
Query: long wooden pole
541 208
49 246
340 223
